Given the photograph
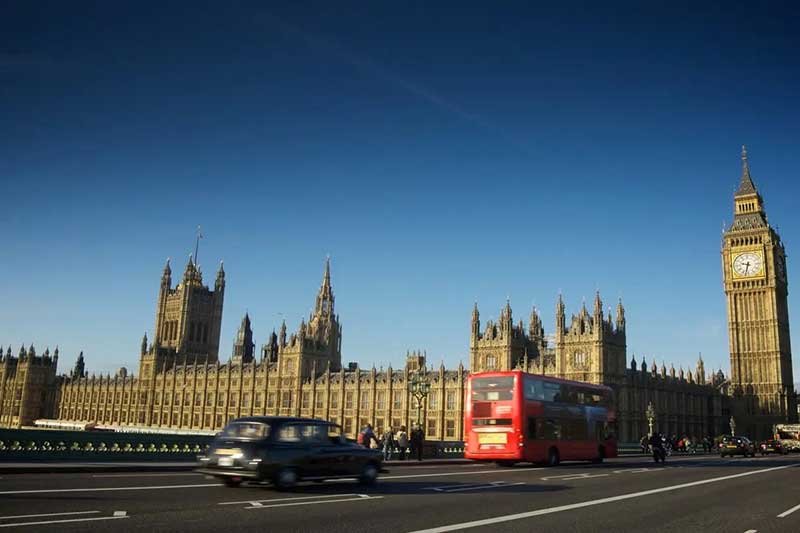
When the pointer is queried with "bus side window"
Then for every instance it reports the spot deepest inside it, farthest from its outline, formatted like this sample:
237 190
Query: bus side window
531 430
552 429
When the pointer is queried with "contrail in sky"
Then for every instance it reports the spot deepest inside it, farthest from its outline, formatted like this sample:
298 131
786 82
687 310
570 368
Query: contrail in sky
380 72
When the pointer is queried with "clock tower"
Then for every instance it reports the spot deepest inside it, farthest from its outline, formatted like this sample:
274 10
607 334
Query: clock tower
754 275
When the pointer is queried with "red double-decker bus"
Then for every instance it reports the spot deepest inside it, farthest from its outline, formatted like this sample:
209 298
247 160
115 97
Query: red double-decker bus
515 417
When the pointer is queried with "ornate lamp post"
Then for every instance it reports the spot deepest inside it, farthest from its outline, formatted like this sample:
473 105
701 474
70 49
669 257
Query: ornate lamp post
733 426
419 386
651 418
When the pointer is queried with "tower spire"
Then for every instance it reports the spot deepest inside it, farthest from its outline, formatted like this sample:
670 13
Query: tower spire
324 306
746 185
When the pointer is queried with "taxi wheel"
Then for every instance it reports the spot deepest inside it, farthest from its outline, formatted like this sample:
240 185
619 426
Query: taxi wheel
369 474
285 479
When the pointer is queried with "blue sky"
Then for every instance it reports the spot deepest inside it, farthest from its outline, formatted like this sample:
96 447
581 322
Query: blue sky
441 154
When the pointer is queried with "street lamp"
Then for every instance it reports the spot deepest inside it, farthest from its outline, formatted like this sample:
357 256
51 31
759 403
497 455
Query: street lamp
419 386
733 425
651 418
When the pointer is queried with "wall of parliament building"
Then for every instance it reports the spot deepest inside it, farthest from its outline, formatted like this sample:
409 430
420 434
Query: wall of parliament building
182 384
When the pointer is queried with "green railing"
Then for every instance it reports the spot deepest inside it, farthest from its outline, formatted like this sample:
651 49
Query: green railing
42 445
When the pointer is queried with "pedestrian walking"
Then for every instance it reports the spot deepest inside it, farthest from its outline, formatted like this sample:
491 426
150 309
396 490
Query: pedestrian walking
417 442
388 444
402 442
366 436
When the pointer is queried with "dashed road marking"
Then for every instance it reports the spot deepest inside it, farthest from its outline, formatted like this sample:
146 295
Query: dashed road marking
111 489
317 497
17 517
481 486
579 475
115 516
584 476
304 500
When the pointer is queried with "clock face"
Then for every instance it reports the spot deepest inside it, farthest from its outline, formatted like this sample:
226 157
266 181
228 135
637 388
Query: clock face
748 264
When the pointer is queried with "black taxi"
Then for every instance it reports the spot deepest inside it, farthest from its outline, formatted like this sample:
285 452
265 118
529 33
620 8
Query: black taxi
285 450
732 445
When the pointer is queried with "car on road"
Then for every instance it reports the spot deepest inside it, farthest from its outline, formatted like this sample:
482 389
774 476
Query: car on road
772 446
732 445
286 450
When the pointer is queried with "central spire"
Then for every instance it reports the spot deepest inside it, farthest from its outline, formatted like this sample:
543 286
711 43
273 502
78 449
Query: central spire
746 185
324 305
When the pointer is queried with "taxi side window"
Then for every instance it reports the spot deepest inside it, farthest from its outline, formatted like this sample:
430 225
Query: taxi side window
315 434
290 433
335 435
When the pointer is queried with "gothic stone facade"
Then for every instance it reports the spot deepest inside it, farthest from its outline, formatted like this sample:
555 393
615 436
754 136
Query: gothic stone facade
28 386
593 349
182 384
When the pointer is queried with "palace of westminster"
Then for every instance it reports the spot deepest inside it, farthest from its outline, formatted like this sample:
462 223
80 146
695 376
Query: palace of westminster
183 385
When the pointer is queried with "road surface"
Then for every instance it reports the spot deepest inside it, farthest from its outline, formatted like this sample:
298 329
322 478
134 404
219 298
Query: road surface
702 493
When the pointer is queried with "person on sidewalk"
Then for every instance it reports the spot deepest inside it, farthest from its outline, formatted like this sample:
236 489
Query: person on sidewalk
402 442
366 436
417 442
388 444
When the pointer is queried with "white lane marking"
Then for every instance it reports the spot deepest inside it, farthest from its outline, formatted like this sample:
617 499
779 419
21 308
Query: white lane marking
566 475
751 531
359 498
148 475
583 476
439 474
116 516
318 497
405 465
15 517
203 485
788 512
108 489
560 508
462 488
638 470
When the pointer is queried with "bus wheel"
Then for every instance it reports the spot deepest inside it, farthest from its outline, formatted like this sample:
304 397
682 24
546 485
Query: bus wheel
506 464
601 454
552 457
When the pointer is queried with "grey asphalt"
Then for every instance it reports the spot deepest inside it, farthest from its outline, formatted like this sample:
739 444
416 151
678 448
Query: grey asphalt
705 493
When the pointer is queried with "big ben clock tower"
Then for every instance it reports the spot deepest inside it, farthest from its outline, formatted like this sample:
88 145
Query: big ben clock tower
754 274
